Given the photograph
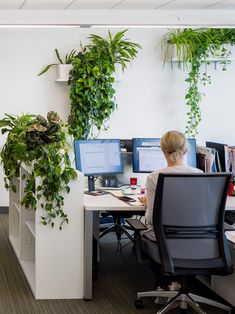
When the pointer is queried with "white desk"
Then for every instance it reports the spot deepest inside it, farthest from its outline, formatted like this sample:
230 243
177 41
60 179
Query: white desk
93 205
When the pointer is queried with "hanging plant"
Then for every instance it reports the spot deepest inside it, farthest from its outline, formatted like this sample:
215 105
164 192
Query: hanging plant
91 82
40 143
193 49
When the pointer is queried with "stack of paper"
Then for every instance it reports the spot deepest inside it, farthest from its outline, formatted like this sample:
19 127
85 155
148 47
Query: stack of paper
116 193
210 158
232 159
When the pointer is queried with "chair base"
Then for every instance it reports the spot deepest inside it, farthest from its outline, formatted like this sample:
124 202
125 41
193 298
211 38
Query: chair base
183 300
119 229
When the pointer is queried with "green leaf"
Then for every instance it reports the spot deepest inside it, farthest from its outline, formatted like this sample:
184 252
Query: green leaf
46 68
58 56
13 187
57 171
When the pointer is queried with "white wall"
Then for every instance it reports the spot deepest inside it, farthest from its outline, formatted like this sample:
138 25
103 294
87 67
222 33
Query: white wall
150 98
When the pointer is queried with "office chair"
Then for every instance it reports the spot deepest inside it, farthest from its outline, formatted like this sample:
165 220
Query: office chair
119 226
188 222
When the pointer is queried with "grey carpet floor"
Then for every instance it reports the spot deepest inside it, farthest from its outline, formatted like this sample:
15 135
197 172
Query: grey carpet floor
114 291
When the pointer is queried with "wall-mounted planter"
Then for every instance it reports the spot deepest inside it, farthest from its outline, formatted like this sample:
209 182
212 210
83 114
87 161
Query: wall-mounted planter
64 69
172 54
63 72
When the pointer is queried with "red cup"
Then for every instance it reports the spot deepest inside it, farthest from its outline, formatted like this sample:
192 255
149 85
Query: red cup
133 183
231 189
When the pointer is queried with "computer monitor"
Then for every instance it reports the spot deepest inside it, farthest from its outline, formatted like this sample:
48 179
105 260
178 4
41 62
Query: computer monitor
118 180
148 156
97 157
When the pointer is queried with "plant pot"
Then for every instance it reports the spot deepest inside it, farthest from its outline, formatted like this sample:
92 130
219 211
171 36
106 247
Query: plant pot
172 52
63 72
172 55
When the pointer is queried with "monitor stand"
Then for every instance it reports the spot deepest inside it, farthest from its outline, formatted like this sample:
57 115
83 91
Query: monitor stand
91 183
109 181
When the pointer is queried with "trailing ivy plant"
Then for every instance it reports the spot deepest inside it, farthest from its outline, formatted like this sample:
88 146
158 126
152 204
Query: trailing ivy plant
91 82
40 143
193 47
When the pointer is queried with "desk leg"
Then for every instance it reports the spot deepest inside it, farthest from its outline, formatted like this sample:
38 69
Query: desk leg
95 249
88 238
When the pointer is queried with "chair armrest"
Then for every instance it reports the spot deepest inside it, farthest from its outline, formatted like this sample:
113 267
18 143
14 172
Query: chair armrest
136 224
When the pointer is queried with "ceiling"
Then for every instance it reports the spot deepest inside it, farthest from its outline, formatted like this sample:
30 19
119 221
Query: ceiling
116 4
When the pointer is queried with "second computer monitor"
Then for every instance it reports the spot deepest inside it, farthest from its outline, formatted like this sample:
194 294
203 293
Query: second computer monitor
148 156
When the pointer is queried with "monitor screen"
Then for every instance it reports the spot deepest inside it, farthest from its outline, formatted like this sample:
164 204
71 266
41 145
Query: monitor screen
96 157
148 156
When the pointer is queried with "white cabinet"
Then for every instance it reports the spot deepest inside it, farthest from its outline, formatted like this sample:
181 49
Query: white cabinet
51 259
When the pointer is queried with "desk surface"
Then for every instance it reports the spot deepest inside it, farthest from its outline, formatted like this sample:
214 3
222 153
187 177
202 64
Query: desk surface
108 202
230 204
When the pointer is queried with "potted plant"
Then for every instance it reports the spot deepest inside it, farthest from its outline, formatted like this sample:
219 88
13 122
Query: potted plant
191 49
91 82
63 67
94 70
42 144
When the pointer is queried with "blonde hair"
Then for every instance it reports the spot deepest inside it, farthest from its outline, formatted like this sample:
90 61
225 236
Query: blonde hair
174 145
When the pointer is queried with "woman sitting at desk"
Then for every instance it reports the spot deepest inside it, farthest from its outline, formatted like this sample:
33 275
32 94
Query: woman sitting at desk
174 147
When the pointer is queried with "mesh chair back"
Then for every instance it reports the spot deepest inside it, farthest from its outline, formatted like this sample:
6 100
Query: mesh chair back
188 220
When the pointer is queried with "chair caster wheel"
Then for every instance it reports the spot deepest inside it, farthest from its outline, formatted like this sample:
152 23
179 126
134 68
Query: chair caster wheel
139 304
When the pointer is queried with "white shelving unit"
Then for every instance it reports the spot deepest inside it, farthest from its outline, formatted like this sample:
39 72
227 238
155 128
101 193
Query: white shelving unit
52 259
